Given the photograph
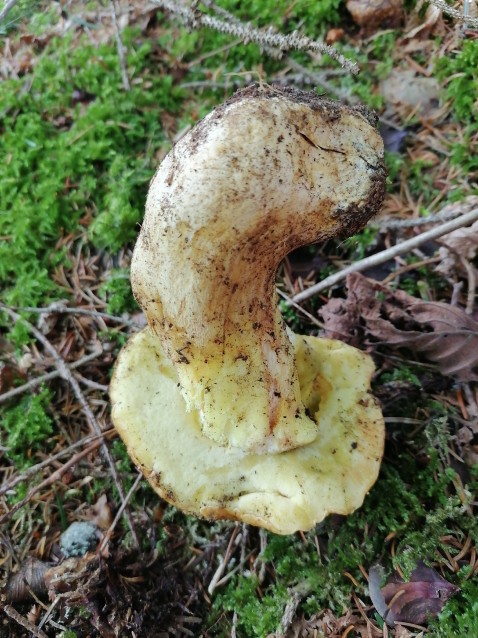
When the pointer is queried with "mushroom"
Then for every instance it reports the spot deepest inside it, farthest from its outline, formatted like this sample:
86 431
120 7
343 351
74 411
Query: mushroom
226 411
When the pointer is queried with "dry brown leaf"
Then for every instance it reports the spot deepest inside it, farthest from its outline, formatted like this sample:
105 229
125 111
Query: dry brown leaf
466 439
461 243
416 601
445 334
101 514
370 14
423 26
410 93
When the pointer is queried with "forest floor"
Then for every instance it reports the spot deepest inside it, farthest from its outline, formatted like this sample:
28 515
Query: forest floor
89 106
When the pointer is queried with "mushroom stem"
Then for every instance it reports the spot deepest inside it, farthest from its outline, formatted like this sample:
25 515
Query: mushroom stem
267 172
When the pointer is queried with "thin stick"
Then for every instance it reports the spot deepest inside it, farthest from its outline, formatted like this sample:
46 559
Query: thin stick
7 7
386 255
408 268
450 211
93 385
291 302
18 618
79 311
458 15
31 471
247 33
119 513
46 377
49 480
288 615
120 46
67 375
471 272
223 563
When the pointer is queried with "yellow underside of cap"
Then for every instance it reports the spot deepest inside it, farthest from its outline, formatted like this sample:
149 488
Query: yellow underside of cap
283 492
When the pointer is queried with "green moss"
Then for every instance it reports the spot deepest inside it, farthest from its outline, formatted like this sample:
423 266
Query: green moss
76 146
460 615
459 73
401 373
416 506
117 293
256 615
459 76
26 428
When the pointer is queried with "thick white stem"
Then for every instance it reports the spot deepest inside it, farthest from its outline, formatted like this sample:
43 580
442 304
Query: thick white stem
257 178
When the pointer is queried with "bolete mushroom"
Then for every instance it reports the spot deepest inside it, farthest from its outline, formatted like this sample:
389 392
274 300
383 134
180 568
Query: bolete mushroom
226 411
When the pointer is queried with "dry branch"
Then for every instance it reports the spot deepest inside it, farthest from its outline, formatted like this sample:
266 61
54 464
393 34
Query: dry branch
265 38
386 255
454 13
50 480
67 375
31 471
33 383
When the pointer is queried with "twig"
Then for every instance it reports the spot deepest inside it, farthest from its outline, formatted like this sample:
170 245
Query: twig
223 564
7 7
461 17
450 211
119 513
49 480
266 38
18 618
234 571
234 625
79 311
31 471
91 384
67 375
471 273
291 302
386 255
120 46
389 223
408 268
46 377
288 615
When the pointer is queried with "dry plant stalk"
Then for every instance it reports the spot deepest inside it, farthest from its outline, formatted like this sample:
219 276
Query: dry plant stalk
67 375
194 18
385 255
454 13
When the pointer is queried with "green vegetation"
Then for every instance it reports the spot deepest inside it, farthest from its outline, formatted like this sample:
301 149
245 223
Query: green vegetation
27 428
79 152
459 74
413 506
116 291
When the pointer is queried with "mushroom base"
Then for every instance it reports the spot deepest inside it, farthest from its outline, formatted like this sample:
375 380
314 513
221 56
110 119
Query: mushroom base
283 492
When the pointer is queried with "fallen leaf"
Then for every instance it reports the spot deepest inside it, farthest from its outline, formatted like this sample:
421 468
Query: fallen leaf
424 24
8 376
466 439
371 14
410 93
393 138
459 244
101 514
445 334
334 35
417 601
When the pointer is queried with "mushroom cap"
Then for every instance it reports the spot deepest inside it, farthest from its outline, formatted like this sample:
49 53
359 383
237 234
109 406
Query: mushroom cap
282 492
